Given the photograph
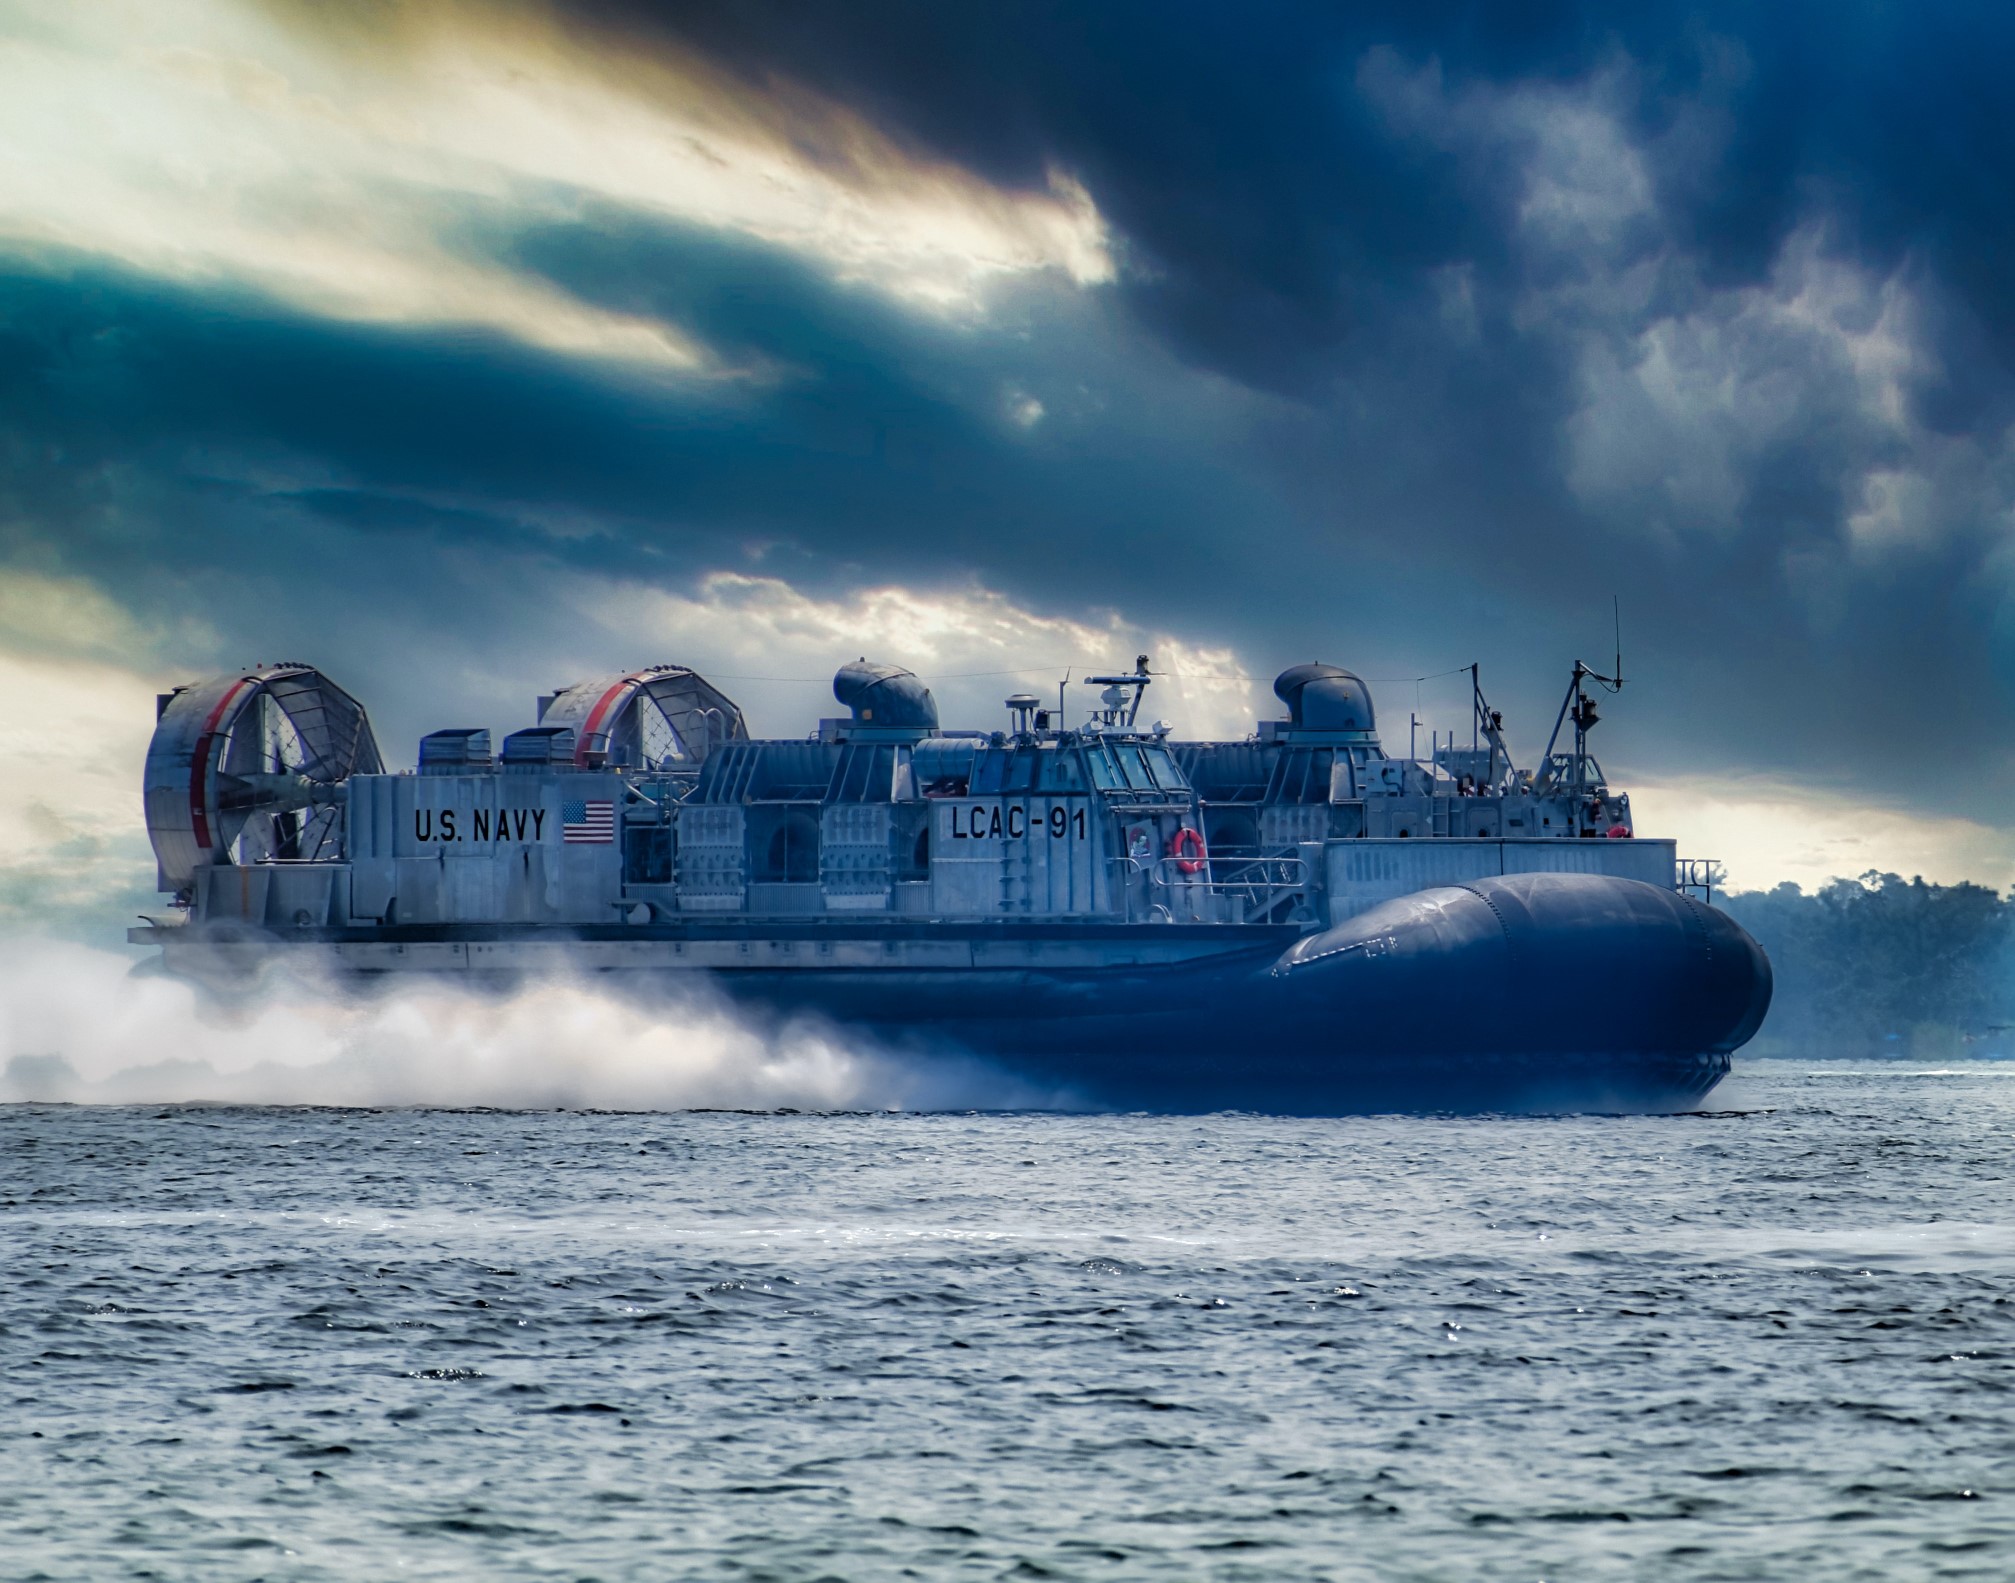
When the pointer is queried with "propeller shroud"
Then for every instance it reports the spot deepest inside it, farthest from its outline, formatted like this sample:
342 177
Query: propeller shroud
249 767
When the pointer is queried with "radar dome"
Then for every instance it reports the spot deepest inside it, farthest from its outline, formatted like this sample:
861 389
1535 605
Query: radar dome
1325 698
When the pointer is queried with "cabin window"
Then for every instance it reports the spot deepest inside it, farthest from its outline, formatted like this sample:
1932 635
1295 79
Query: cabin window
1020 772
1166 775
1133 765
1104 775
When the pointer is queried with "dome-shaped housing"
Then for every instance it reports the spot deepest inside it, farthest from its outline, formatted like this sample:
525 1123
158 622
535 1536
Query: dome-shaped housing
250 766
661 716
885 697
1325 698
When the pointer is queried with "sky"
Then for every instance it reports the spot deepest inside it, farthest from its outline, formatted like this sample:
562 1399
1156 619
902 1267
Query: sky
466 348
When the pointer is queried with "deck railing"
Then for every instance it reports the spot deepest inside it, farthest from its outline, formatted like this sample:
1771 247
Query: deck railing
1699 874
1211 889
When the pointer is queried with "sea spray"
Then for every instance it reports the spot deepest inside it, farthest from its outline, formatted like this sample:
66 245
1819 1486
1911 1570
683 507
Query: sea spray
79 1025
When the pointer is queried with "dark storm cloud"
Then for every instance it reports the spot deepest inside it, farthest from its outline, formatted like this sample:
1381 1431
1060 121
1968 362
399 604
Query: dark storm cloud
1421 347
399 500
1258 197
1285 227
876 445
1233 149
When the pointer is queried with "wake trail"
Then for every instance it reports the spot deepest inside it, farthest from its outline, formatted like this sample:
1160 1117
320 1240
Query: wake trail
77 1025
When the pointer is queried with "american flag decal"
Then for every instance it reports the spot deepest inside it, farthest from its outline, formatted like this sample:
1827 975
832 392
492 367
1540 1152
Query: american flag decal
593 822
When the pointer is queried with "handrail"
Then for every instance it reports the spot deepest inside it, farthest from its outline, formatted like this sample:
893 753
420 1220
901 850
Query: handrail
1248 876
1698 873
1248 885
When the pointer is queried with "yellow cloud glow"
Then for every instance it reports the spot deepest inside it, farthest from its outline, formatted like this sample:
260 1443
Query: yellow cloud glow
973 645
1767 834
217 141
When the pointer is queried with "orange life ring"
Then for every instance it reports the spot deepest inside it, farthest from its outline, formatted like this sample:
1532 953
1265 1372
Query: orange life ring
1186 847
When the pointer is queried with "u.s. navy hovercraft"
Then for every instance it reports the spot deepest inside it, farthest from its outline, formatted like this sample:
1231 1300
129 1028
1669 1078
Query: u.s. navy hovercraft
1297 921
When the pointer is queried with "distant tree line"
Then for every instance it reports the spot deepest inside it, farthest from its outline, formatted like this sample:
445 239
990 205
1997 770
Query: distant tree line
1883 965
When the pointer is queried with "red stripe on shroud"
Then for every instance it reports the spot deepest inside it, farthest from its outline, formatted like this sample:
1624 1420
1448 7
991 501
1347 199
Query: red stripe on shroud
199 763
593 723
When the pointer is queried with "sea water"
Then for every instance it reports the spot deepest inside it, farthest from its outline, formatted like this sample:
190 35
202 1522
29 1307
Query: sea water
1772 1340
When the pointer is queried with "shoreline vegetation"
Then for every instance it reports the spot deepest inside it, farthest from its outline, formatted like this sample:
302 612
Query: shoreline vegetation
1881 966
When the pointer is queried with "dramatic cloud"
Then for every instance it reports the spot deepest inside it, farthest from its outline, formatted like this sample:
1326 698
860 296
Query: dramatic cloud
466 348
949 636
368 170
1764 834
74 858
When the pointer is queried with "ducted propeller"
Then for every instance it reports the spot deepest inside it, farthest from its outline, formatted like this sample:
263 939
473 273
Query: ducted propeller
251 766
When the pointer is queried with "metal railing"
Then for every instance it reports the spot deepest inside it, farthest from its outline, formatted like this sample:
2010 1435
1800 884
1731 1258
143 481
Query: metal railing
1209 889
1233 876
1700 874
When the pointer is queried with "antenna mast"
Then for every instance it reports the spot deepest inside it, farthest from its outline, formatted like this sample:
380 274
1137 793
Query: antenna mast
1580 708
1488 724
